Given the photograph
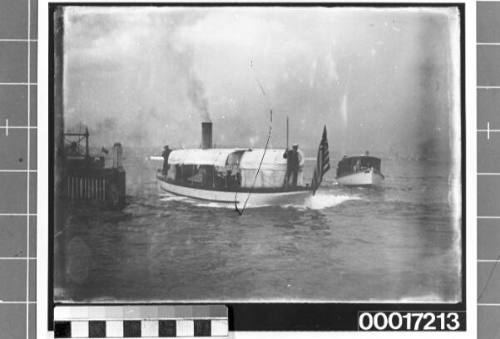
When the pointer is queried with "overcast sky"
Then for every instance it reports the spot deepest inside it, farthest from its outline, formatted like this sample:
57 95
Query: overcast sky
380 79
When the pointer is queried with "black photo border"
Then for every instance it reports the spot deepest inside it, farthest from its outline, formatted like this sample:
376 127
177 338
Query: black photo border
272 316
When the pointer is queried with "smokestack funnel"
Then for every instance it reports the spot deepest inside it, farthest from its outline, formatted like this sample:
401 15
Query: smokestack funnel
206 135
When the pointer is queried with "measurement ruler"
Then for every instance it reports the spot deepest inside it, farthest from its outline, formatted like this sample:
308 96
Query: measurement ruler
488 167
18 168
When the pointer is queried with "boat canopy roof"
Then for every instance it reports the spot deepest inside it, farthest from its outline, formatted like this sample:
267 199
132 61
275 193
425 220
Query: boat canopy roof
250 158
366 158
212 156
273 159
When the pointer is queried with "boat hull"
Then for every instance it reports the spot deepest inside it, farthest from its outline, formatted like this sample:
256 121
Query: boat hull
255 199
361 179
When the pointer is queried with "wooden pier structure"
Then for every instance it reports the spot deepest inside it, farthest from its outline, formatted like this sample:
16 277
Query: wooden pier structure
86 178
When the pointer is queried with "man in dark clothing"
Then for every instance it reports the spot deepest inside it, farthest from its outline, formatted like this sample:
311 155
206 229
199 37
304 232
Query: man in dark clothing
292 164
165 154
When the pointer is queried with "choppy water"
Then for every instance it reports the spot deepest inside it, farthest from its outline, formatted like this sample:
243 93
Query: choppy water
397 242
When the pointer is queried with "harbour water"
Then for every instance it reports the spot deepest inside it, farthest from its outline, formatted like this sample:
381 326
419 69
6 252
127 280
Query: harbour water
399 242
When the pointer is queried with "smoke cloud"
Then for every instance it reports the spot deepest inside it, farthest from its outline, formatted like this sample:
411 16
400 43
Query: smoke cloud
378 78
196 93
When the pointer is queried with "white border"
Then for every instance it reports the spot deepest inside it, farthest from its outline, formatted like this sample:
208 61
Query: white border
471 187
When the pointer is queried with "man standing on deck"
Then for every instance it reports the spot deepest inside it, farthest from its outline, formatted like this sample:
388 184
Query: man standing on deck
165 154
293 158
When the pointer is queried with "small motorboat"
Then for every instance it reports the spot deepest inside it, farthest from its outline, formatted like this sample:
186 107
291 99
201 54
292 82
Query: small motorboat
361 170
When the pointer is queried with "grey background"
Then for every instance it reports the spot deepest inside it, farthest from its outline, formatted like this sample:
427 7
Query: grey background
488 21
488 73
488 321
489 160
488 239
488 195
488 106
17 317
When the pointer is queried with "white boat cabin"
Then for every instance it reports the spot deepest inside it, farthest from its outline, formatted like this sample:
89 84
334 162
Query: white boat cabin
229 169
358 164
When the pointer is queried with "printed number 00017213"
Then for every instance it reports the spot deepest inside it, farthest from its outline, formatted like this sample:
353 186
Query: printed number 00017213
411 321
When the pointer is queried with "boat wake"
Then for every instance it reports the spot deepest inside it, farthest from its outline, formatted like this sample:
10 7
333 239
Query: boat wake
322 200
168 197
219 205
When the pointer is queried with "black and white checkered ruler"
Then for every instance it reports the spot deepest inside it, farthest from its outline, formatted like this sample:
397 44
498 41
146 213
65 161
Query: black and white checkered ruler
140 321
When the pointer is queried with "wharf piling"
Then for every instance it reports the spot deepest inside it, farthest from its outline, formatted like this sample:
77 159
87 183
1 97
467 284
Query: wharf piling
87 180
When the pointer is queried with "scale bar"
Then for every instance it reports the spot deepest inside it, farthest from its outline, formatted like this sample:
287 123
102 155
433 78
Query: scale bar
7 127
16 171
484 173
17 302
18 40
488 260
18 83
28 195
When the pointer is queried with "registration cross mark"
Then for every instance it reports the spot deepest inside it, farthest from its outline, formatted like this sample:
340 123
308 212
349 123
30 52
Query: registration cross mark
8 127
488 130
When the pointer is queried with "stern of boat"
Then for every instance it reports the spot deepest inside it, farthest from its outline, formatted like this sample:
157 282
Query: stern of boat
366 178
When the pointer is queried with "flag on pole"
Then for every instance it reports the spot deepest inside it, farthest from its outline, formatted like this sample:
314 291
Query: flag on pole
322 162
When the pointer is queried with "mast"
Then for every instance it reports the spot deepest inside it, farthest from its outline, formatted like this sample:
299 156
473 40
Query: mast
86 135
287 132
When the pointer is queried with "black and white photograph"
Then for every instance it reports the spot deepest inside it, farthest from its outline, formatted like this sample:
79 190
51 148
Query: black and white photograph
257 154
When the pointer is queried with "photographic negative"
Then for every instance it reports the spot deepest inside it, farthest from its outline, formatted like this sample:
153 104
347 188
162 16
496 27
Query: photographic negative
257 154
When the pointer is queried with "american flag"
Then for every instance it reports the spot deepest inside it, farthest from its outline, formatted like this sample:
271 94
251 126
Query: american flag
322 162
